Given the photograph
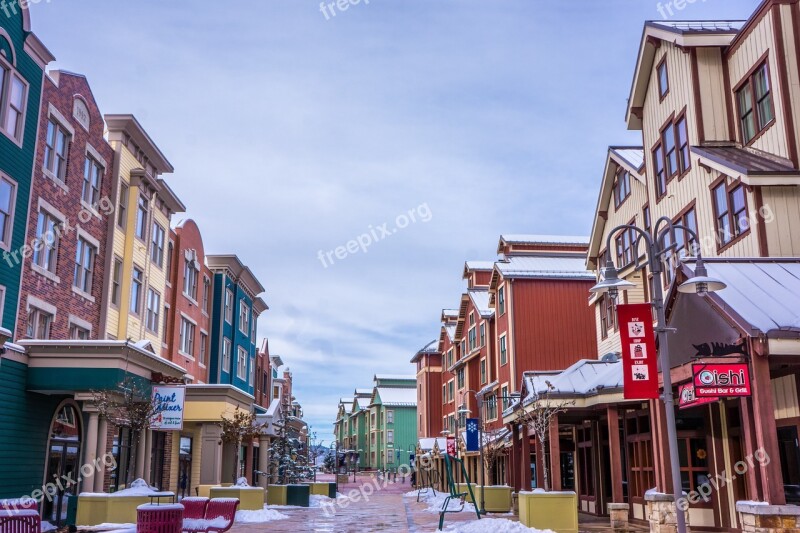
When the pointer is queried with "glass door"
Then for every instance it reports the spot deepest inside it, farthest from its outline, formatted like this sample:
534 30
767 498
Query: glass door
63 465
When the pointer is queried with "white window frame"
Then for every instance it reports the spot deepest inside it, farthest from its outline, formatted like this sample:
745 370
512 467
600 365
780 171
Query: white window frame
228 306
202 354
5 99
135 306
152 310
244 317
6 238
227 347
51 168
241 356
157 246
187 333
79 282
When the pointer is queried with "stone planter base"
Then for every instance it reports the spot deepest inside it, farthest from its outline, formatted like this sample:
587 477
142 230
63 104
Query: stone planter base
276 494
619 514
762 518
660 512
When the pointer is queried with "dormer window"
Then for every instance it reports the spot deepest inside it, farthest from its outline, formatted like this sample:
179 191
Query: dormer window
754 102
663 79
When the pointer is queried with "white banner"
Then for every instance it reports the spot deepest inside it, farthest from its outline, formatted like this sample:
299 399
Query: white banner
168 402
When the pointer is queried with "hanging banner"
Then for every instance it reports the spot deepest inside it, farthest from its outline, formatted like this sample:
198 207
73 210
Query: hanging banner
451 446
687 397
721 380
168 403
472 435
639 363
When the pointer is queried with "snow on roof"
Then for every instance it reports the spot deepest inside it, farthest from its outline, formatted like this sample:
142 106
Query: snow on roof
764 292
545 267
431 347
480 298
633 155
398 396
543 239
699 26
403 377
426 444
363 392
451 331
479 265
585 378
450 313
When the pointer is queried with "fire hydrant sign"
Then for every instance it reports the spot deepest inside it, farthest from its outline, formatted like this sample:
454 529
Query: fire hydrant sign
168 406
721 380
639 362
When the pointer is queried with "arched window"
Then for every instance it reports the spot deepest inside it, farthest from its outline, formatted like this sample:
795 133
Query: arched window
63 462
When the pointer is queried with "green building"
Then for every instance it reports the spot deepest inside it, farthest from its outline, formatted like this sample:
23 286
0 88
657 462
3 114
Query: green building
392 422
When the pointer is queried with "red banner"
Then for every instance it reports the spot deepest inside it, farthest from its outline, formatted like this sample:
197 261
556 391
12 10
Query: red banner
451 446
639 362
687 398
721 380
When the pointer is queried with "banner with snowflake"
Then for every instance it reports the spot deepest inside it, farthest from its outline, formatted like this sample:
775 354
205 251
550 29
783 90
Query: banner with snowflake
473 444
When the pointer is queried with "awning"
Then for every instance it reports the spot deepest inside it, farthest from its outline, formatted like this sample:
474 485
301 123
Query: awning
752 166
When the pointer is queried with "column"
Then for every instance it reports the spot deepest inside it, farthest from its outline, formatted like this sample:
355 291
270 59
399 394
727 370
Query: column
516 481
148 455
525 463
143 455
102 437
766 431
210 455
263 460
539 448
615 453
248 462
555 455
90 447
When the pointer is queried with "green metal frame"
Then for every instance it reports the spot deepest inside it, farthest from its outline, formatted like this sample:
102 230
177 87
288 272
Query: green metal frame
451 486
432 478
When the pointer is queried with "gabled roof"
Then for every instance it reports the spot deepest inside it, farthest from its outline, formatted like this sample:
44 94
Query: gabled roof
544 267
396 396
480 299
449 314
752 166
431 348
679 33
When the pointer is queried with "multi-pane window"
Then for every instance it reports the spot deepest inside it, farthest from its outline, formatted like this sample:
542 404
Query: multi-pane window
47 238
251 376
241 366
157 245
663 78
39 323
491 407
187 337
206 293
244 317
730 207
451 393
389 440
203 348
754 101
84 265
608 317
136 291
141 217
504 396
473 338
226 355
77 332
190 275
229 306
483 371
460 377
670 150
116 280
622 187
8 193
55 149
503 351
122 211
13 93
152 319
682 132
671 154
660 172
625 247
390 417
92 175
501 300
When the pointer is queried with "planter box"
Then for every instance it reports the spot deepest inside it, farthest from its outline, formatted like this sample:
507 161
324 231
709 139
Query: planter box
549 510
298 495
462 487
496 499
323 489
342 479
250 498
276 494
107 509
204 491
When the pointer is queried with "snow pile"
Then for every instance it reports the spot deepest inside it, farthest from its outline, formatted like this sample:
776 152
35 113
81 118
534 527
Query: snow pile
242 482
317 500
111 528
495 525
258 517
137 488
200 524
435 503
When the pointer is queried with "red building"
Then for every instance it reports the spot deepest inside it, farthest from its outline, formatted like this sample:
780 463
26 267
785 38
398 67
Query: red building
187 322
63 262
429 382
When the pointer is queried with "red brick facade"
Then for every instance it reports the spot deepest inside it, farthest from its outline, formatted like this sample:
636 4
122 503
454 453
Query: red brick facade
67 100
186 242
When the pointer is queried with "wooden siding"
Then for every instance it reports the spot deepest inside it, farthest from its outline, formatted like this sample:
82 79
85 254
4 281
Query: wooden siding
784 391
553 327
711 82
783 232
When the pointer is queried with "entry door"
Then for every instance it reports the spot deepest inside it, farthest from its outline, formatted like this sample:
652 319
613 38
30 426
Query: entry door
790 462
62 476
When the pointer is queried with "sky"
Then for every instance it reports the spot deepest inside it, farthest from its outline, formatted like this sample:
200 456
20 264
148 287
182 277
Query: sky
417 131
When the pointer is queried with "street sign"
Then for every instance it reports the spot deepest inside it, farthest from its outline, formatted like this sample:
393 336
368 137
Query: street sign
640 368
168 403
721 380
687 397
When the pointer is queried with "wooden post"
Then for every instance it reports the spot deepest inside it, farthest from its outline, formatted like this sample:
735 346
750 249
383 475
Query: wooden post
516 452
615 453
748 433
555 455
766 431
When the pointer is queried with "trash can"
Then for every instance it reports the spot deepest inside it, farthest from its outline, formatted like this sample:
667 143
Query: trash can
298 495
331 490
72 511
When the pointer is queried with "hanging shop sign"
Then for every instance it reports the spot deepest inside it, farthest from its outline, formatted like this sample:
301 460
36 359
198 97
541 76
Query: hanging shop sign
687 397
168 403
639 362
721 380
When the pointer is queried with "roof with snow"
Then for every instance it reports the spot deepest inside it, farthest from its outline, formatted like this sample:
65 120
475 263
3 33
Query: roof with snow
397 396
543 239
363 392
451 331
479 265
480 299
683 27
545 267
633 155
395 377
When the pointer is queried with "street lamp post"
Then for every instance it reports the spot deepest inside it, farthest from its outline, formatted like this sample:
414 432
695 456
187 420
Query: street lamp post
700 283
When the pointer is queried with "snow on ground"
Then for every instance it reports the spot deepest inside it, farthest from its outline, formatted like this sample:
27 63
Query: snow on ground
495 525
435 503
258 517
111 528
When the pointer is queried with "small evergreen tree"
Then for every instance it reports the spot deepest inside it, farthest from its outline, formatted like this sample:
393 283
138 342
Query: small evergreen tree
237 429
289 460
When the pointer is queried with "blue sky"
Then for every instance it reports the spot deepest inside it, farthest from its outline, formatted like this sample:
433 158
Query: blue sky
293 134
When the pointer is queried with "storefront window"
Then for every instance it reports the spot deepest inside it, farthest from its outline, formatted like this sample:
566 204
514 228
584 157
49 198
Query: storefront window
157 459
63 462
122 453
640 455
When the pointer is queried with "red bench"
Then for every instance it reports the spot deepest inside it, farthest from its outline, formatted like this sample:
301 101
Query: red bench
219 516
21 521
154 518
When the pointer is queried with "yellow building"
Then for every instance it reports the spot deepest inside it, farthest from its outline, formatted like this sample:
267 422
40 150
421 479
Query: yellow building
136 269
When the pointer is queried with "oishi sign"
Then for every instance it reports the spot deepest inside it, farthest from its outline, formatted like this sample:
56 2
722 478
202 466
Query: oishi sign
721 380
687 397
638 351
168 403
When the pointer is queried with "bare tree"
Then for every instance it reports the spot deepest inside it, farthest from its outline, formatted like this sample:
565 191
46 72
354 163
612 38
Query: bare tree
237 429
538 415
492 451
129 405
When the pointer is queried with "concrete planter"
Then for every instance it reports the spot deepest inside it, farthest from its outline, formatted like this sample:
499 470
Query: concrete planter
96 509
549 510
250 498
204 491
276 494
462 487
323 489
298 495
497 499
